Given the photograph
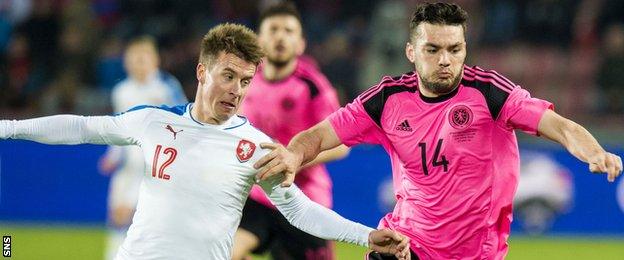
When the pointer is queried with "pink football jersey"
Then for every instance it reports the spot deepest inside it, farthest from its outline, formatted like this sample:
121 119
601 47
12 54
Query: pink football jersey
284 108
454 158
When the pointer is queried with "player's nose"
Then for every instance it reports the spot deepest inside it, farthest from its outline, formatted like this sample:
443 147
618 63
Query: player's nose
445 59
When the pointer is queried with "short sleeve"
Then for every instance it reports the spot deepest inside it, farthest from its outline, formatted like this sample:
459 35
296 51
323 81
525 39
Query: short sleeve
354 126
521 111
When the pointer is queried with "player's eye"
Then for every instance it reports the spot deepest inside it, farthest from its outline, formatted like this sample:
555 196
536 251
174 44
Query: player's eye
455 50
246 83
431 51
229 76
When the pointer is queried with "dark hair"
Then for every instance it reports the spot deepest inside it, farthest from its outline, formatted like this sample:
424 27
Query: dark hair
281 8
143 39
230 38
438 13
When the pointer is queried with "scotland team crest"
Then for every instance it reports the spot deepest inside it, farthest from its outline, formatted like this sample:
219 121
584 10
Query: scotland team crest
245 150
460 117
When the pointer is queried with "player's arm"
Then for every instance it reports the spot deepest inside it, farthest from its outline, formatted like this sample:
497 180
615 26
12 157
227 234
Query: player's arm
580 143
302 149
336 153
71 129
322 222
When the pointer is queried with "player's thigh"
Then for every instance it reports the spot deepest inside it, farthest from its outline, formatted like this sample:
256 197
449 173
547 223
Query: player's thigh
292 243
244 243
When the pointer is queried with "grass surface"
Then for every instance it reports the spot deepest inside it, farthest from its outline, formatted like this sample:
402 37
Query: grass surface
68 242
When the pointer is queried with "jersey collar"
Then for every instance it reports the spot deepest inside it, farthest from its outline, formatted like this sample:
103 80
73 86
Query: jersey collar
231 123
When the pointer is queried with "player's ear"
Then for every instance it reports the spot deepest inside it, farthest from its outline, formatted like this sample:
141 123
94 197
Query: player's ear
301 46
409 52
200 71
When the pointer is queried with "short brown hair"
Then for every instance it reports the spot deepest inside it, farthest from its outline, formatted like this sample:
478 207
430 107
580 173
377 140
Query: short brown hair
281 8
438 13
143 39
230 38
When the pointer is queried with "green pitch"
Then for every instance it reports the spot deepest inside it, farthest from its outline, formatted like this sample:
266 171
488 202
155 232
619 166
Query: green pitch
69 242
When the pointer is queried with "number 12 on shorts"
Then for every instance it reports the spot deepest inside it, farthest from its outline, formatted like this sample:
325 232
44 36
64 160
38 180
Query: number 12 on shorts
160 172
436 154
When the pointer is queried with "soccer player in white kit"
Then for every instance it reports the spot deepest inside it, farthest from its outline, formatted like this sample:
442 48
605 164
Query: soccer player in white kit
199 163
145 85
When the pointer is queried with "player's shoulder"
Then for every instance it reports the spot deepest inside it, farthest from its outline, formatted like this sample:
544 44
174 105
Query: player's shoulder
168 78
121 86
484 79
313 79
494 87
389 85
164 110
242 127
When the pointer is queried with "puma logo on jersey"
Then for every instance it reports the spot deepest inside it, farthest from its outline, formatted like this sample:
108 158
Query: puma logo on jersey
175 133
404 126
245 150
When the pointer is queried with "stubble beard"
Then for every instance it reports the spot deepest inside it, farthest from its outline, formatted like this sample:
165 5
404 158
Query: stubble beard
441 88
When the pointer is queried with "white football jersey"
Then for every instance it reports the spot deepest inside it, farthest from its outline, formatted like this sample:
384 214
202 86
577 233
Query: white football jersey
196 180
160 88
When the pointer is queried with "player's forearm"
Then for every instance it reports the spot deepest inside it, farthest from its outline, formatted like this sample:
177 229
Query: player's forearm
329 155
60 129
579 142
310 143
306 145
317 220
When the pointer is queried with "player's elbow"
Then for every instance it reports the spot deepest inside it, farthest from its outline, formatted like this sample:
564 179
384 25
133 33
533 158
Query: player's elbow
342 151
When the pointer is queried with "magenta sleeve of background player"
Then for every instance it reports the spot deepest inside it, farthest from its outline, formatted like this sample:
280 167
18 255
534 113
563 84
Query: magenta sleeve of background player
523 112
354 126
325 104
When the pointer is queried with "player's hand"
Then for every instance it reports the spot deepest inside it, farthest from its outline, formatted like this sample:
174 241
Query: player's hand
608 163
278 161
106 165
387 241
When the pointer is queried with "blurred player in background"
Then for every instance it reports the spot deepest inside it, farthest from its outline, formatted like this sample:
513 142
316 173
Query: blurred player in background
449 131
288 96
199 159
145 85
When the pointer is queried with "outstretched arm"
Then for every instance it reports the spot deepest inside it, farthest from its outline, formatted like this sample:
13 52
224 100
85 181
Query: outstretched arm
580 143
70 129
322 222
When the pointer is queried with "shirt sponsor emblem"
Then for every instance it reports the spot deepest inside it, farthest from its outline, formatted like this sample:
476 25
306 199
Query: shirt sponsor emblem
460 117
404 126
175 133
245 150
287 104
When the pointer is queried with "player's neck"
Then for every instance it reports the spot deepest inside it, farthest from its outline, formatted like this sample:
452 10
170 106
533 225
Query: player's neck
202 115
272 72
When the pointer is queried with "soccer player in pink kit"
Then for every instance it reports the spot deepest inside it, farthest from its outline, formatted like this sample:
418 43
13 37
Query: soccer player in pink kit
289 95
449 131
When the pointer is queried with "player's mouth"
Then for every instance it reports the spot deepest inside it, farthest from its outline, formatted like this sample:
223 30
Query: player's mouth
280 48
228 105
444 74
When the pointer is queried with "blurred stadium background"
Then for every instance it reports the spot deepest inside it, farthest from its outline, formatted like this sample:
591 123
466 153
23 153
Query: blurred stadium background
64 56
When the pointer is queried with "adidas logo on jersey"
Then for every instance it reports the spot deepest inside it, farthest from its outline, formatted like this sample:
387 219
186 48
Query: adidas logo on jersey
404 126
